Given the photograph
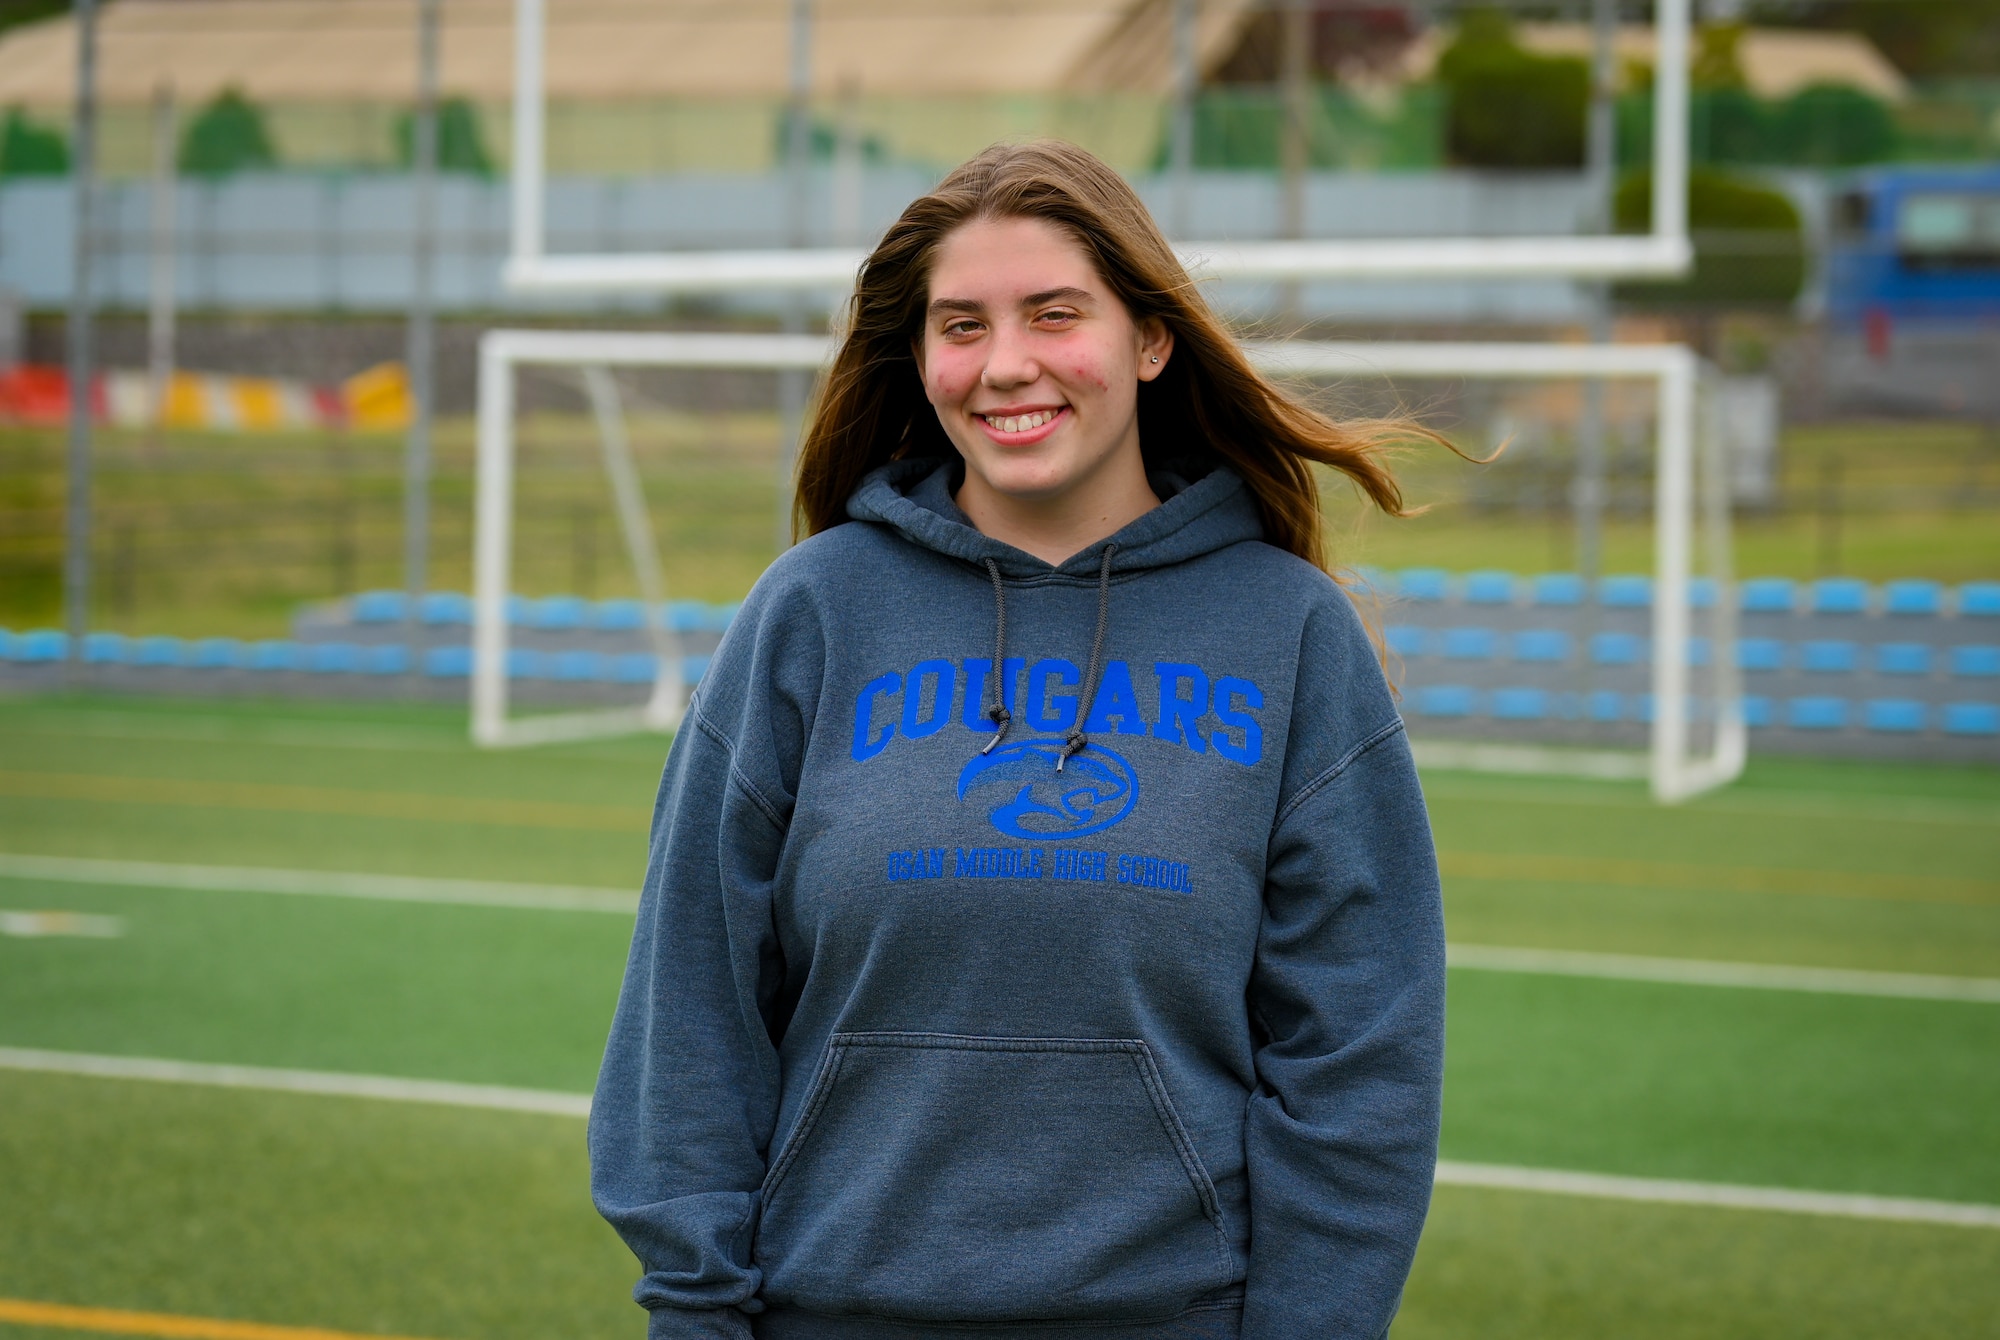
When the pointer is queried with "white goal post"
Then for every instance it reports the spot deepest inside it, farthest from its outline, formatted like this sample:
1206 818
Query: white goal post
1675 770
1664 252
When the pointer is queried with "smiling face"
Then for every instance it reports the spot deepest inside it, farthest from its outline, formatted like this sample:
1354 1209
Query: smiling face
1033 365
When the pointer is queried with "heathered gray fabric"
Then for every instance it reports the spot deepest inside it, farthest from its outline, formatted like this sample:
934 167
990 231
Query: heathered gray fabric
915 1040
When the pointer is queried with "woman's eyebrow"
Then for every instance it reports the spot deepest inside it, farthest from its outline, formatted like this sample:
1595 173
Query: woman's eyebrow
1057 295
971 305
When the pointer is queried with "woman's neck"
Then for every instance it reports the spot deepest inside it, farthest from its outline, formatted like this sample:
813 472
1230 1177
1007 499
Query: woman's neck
1054 527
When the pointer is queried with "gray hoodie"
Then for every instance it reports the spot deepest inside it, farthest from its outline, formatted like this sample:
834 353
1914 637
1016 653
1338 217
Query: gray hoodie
948 1010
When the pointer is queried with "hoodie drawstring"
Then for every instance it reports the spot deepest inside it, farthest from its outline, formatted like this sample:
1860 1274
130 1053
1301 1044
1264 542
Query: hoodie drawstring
994 700
1076 740
995 705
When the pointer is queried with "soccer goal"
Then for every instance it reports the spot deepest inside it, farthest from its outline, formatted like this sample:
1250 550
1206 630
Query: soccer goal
1690 517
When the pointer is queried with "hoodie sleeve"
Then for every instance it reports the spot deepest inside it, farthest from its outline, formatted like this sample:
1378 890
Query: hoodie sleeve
688 1093
1347 997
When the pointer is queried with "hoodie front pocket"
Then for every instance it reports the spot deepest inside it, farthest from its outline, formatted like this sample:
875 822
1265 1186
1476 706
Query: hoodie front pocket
942 1178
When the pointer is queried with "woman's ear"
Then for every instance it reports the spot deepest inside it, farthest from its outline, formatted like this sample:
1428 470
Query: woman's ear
1156 346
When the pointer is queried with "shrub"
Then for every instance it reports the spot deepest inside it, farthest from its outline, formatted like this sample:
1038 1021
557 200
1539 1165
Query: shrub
1748 244
30 150
226 136
460 147
1510 108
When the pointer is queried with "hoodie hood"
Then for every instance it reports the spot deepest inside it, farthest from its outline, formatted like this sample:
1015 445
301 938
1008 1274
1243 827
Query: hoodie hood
915 499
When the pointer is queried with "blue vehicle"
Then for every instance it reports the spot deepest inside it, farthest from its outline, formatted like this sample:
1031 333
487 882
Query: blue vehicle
1915 246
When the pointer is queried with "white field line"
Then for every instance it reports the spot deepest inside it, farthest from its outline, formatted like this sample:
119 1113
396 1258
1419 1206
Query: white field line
1662 1191
575 898
328 1083
1712 972
1546 1180
321 883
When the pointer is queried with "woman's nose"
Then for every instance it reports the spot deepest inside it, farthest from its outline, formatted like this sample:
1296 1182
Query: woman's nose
1008 362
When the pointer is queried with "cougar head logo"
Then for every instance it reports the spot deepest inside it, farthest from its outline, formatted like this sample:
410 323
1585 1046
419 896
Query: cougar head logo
1095 789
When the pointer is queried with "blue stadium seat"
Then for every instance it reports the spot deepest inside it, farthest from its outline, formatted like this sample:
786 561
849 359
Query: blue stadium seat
379 607
1558 588
1768 595
1489 588
1975 662
1424 584
1520 704
1604 705
41 645
157 651
1367 579
1760 653
1405 639
216 653
1829 658
448 662
1972 718
1642 707
574 665
1701 592
1541 644
1445 700
721 616
1471 644
693 668
559 612
636 667
1756 711
686 616
1616 648
620 616
1979 599
274 656
333 658
1839 595
527 663
1625 590
1900 716
445 607
1902 658
1817 713
385 658
1699 651
520 611
1913 597
104 648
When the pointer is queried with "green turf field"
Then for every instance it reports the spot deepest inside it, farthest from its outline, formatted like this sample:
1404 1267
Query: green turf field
397 1218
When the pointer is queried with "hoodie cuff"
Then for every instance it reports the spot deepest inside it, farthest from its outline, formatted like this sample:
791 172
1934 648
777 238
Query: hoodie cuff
688 1323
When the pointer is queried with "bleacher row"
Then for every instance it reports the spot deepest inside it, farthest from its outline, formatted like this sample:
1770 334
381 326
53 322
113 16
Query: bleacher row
549 614
1757 595
1809 712
1818 656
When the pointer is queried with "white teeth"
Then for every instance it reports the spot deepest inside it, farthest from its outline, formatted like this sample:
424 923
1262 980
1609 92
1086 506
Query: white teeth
1021 423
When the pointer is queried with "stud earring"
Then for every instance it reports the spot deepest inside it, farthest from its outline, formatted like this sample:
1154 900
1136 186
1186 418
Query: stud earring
1156 358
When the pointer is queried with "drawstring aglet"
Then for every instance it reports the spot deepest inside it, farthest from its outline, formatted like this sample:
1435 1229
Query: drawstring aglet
1075 744
1003 718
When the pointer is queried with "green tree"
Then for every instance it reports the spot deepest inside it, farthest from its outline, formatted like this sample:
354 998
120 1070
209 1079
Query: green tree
460 147
1830 125
227 136
30 150
1510 108
1749 247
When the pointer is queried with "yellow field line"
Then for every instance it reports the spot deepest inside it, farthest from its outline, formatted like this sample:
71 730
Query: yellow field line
1718 878
319 800
111 1321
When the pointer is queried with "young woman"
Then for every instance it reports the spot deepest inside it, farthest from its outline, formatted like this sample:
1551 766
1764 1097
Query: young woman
1041 935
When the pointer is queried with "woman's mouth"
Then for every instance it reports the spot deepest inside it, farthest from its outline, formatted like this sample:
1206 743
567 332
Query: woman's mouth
1022 429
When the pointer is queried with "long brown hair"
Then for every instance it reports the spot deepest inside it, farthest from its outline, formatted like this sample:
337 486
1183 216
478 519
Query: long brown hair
1208 407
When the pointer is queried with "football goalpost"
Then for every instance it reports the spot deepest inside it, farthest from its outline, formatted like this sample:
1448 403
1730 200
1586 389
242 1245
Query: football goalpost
1688 452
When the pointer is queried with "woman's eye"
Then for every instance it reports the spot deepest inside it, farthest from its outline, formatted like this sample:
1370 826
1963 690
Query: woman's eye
962 328
1057 318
